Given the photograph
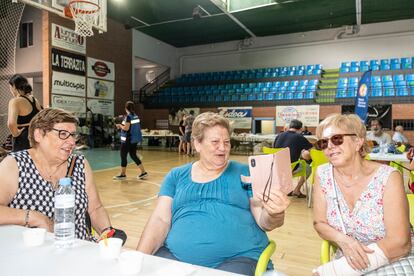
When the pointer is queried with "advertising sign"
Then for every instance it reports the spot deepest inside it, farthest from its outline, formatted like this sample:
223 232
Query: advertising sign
104 107
67 39
68 63
67 84
101 69
72 104
307 114
361 101
240 117
100 89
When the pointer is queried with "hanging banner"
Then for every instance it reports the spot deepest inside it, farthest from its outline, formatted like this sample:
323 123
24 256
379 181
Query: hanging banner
68 63
101 69
67 39
103 107
307 114
67 84
100 89
76 105
361 100
239 117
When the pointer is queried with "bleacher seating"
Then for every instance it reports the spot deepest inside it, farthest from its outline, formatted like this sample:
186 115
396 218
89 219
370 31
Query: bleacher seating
375 65
381 86
272 72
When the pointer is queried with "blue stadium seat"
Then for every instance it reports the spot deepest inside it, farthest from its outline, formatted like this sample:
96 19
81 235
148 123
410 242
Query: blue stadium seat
303 82
276 84
313 82
251 97
375 79
395 66
294 83
299 95
318 66
309 94
311 88
398 77
235 97
406 63
394 60
386 78
270 96
292 89
388 88
376 89
284 83
317 71
252 85
243 97
342 81
344 69
288 96
354 69
282 89
385 67
279 96
300 72
248 90
401 87
268 84
385 61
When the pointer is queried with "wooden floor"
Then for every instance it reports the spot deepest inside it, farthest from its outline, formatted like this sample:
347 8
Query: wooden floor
130 203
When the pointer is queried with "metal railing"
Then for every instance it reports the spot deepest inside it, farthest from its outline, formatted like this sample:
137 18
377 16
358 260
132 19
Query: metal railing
151 87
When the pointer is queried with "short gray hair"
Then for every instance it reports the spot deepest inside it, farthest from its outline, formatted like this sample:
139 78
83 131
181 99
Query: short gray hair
206 120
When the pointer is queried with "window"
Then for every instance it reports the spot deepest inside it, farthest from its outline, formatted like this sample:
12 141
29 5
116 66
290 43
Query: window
26 34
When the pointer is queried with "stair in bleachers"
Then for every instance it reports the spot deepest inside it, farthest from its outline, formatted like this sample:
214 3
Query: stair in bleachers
327 86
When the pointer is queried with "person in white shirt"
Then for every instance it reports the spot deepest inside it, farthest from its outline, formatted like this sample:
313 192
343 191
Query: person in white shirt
398 136
376 134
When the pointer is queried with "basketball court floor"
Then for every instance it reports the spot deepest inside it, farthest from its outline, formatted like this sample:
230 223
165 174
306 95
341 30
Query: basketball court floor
130 203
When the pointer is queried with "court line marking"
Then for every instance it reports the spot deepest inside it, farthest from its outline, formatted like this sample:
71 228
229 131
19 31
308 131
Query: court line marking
145 163
138 201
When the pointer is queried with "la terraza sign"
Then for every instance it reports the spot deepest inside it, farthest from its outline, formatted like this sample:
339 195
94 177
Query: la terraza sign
68 62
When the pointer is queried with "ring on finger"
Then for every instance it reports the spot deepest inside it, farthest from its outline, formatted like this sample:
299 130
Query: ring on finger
351 258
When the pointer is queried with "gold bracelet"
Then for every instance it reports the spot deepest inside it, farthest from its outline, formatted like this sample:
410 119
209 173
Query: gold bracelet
26 218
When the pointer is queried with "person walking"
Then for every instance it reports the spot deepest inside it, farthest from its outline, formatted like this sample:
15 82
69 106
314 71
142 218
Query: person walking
130 136
22 108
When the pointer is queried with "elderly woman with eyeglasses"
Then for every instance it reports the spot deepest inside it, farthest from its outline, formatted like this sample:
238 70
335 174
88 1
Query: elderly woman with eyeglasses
29 178
205 214
359 205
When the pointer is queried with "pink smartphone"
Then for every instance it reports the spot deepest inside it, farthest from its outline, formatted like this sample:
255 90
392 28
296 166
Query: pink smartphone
270 172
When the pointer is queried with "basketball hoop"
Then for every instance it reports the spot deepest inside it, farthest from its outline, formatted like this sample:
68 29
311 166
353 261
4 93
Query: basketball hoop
85 14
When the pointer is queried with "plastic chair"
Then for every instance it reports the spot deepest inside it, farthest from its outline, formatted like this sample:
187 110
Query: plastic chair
264 258
318 158
328 249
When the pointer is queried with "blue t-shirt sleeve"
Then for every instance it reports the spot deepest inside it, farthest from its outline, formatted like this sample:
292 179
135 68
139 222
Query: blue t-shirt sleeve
128 119
246 186
169 184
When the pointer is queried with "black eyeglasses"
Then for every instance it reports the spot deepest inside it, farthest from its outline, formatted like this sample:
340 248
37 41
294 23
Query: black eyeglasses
337 140
64 134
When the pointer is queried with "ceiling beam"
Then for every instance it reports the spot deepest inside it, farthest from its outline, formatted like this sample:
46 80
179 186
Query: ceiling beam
225 11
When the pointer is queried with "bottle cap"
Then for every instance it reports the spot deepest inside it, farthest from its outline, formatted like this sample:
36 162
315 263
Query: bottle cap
65 181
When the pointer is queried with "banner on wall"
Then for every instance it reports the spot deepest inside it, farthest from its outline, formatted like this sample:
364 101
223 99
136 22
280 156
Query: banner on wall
68 62
100 89
101 69
67 84
104 107
307 114
72 104
240 117
175 115
67 39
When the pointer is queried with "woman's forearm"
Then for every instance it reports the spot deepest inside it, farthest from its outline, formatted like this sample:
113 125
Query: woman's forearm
395 248
100 219
268 223
153 237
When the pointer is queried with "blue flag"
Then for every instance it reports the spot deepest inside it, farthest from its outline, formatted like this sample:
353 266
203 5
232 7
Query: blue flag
361 101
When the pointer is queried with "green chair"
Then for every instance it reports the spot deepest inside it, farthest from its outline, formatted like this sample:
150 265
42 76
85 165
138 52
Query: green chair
318 158
328 249
261 266
293 165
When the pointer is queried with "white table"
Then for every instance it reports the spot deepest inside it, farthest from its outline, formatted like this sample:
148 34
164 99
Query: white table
389 157
82 259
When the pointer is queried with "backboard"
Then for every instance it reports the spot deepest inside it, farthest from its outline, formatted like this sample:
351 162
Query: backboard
58 6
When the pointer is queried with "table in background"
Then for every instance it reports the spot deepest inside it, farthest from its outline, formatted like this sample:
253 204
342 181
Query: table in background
389 157
169 139
81 260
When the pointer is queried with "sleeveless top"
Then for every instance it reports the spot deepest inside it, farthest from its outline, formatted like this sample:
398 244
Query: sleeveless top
27 118
366 221
133 134
37 194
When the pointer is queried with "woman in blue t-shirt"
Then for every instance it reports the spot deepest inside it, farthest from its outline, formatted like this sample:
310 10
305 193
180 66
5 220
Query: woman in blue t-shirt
205 214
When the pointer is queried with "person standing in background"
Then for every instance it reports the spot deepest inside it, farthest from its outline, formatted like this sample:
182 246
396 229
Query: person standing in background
130 136
181 132
188 122
399 137
376 134
22 108
91 127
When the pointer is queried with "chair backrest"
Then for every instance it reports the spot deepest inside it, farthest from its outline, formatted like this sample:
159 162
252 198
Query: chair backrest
318 158
267 150
264 258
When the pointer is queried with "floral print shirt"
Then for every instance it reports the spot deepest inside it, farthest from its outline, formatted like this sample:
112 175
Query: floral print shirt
365 222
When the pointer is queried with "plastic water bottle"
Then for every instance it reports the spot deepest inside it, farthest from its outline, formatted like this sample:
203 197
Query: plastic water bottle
64 214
